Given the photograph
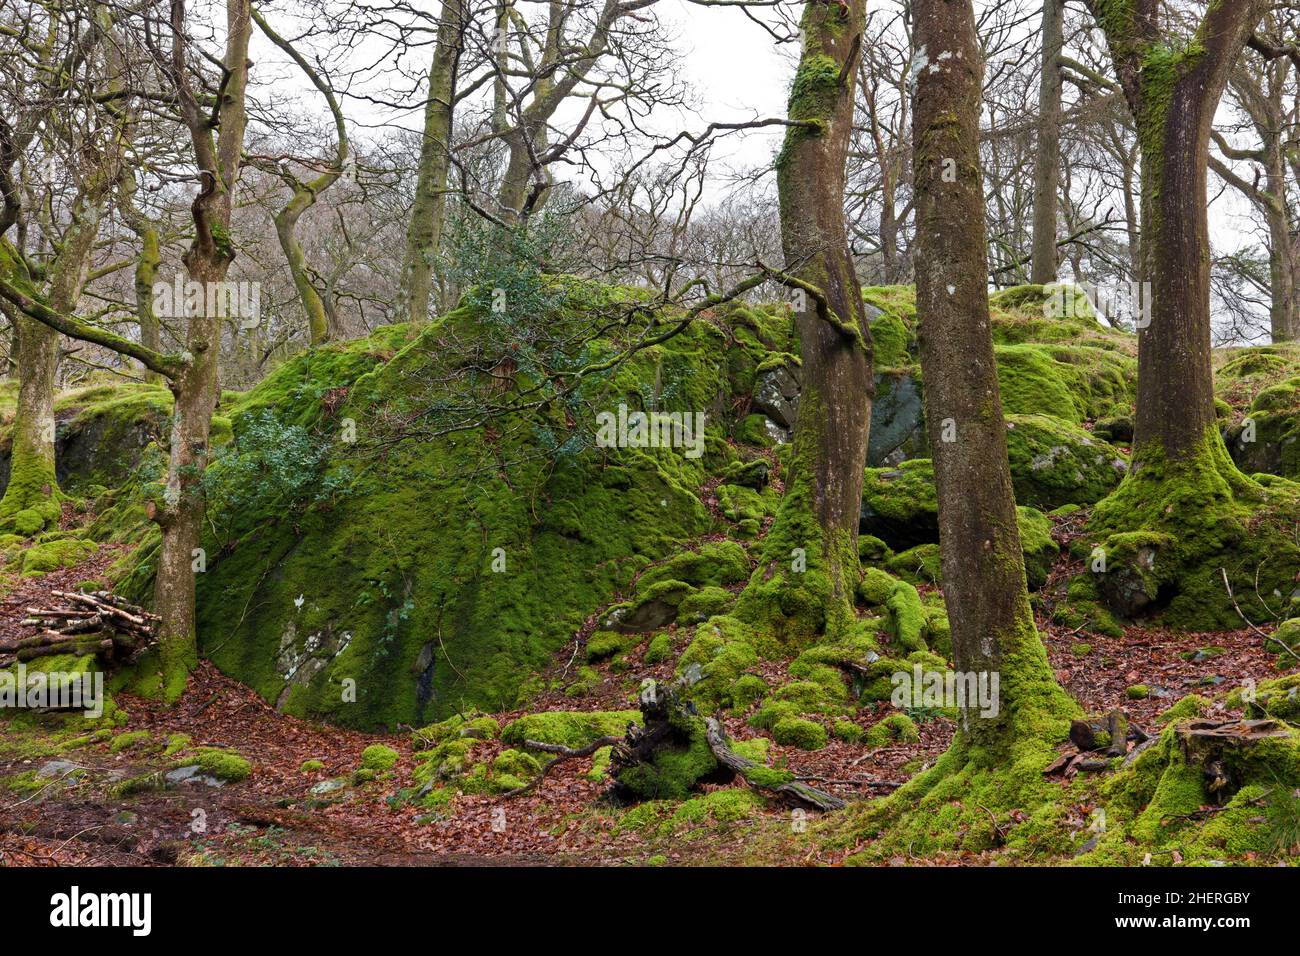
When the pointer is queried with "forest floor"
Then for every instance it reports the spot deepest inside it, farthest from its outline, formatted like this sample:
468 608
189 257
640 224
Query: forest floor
71 810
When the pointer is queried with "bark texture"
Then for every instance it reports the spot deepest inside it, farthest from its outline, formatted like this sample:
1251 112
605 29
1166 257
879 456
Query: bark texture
1173 92
983 566
834 341
428 212
1047 164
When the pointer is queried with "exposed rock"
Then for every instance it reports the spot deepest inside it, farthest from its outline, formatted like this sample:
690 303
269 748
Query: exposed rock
897 420
776 395
1054 463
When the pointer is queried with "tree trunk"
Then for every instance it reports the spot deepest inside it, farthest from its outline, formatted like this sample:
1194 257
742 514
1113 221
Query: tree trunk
286 221
180 513
1284 306
517 180
983 567
1047 165
146 274
31 499
1173 95
429 210
819 514
180 516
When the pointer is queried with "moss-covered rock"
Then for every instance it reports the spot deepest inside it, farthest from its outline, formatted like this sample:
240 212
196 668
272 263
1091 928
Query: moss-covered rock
573 729
451 580
798 732
1055 463
51 555
1164 539
894 729
379 757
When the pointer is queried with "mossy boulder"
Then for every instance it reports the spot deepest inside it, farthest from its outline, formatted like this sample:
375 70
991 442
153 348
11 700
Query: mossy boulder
450 580
716 564
894 729
721 651
899 505
897 420
1164 540
1265 439
800 733
1054 463
573 729
51 555
379 757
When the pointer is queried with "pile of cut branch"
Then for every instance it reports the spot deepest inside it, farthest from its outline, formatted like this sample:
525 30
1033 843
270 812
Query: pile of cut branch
98 623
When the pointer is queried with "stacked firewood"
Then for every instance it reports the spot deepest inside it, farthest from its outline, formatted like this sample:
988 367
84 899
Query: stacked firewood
96 623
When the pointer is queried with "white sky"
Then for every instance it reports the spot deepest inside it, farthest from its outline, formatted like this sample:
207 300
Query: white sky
736 72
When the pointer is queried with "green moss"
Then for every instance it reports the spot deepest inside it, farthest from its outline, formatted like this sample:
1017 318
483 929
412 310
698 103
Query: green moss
603 645
472 725
1032 382
1039 548
716 809
847 731
919 565
1054 463
659 649
1083 611
1278 699
413 623
128 741
573 729
703 604
312 766
53 555
379 757
715 564
894 729
720 653
584 682
675 767
747 689
1188 708
891 342
176 743
223 764
1172 528
516 763
798 732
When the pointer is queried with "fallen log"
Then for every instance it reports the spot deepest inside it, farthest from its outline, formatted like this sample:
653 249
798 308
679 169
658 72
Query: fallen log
78 649
562 753
792 789
98 623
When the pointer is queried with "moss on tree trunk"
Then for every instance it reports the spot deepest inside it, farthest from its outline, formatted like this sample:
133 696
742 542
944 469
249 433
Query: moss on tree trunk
809 571
983 566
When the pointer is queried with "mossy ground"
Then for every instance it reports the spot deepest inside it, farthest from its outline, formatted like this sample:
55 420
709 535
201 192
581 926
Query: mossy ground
413 612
